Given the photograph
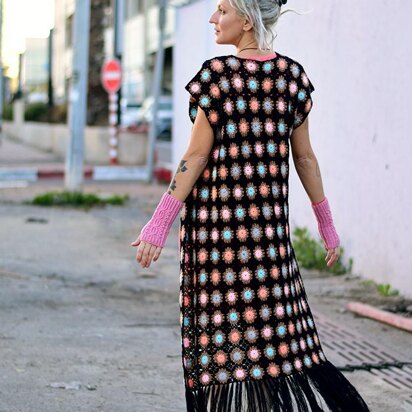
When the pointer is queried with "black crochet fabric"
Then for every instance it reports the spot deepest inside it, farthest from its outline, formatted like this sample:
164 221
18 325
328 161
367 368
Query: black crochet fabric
249 341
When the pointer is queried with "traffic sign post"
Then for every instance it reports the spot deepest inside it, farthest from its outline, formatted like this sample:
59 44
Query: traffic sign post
111 78
78 97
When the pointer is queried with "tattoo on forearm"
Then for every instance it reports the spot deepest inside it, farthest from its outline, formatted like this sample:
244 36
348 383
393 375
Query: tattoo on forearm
172 186
181 168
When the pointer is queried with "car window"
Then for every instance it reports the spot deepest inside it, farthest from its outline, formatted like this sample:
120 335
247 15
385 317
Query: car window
165 106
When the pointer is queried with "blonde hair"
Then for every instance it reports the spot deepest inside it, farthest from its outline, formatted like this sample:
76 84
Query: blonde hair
263 16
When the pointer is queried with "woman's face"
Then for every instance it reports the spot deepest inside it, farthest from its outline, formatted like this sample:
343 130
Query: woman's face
229 26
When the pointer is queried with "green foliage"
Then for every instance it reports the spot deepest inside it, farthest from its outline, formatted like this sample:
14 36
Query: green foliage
76 199
8 112
116 200
311 253
57 114
368 282
41 112
385 289
35 112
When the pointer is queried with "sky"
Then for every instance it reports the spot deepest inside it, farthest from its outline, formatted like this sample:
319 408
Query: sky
23 18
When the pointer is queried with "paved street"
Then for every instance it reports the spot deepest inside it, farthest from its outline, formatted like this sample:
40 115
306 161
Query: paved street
84 328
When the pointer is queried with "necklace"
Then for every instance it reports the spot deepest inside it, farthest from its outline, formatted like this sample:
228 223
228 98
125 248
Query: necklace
249 48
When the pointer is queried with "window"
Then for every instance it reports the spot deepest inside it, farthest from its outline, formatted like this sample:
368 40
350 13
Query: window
69 31
133 8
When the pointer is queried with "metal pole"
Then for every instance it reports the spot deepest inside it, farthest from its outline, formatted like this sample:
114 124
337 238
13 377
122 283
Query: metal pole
157 83
78 96
19 92
119 15
50 70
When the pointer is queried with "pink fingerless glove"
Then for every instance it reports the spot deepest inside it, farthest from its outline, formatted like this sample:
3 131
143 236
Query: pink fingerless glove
325 224
158 227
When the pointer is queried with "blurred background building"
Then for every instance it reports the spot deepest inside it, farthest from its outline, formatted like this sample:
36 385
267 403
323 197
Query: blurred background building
35 67
140 45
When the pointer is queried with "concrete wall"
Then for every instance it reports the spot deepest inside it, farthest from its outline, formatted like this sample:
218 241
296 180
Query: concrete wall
54 138
358 58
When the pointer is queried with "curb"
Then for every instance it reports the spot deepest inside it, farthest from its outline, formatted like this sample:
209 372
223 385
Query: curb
163 174
98 173
380 315
59 173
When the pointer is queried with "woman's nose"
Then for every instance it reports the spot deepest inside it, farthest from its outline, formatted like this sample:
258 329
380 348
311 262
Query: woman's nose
212 18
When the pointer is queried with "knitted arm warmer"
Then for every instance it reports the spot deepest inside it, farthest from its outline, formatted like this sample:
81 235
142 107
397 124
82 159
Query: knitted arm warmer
325 224
158 227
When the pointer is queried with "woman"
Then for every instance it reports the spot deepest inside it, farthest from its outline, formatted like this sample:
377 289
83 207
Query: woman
249 342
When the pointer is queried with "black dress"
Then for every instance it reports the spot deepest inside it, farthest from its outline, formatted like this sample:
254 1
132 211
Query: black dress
249 341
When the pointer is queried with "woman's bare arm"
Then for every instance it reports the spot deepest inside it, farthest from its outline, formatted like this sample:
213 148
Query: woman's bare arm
306 163
190 167
308 170
194 159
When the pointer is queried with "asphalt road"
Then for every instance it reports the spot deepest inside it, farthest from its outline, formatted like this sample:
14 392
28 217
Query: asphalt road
84 328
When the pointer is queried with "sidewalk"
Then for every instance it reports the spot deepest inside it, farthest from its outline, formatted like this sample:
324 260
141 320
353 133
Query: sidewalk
77 311
15 154
19 162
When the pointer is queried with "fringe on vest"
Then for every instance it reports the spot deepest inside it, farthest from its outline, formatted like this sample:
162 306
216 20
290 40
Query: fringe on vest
319 388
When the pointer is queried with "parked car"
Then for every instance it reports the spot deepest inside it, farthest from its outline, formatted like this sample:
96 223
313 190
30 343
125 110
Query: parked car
131 113
37 97
139 115
164 115
165 108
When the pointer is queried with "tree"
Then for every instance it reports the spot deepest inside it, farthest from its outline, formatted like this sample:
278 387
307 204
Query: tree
97 98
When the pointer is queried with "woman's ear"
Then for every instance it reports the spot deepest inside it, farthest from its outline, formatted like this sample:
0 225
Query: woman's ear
247 26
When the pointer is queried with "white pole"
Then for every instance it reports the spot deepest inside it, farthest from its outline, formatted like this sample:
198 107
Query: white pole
114 138
78 96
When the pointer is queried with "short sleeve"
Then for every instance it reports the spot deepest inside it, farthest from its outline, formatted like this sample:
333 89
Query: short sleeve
303 98
205 92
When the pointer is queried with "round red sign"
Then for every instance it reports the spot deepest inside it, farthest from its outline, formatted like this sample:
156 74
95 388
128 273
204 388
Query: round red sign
111 75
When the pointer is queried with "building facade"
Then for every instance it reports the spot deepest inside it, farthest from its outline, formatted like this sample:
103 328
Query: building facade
62 48
140 44
35 65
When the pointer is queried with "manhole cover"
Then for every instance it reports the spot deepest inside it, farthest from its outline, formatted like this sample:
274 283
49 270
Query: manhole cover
349 351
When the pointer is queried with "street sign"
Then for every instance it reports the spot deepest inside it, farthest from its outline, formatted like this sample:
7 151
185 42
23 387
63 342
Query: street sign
111 76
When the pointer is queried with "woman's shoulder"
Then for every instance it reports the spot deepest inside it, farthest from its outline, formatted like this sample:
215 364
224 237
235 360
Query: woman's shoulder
218 63
291 61
221 57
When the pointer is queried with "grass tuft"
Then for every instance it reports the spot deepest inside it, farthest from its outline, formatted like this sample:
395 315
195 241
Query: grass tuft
76 199
385 289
